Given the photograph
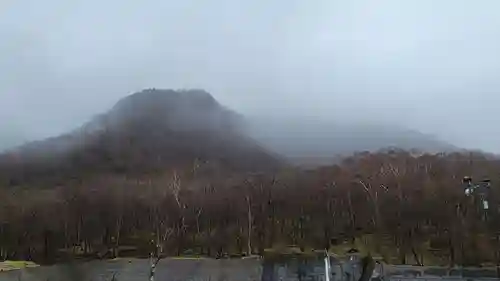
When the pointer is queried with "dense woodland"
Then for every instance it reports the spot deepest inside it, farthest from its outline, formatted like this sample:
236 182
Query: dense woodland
409 204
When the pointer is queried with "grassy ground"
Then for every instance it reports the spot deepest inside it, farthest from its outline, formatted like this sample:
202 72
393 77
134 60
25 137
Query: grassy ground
13 265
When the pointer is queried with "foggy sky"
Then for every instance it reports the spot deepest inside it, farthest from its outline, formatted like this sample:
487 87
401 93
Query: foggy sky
423 64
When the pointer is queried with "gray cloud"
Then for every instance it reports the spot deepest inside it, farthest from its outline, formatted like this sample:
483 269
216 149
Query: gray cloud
428 65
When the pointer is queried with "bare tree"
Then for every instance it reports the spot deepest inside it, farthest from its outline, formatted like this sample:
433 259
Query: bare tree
249 225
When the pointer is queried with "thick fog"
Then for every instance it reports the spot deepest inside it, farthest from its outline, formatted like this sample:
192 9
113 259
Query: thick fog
427 65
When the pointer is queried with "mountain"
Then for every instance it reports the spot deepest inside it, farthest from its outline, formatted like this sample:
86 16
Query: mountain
313 142
153 131
147 132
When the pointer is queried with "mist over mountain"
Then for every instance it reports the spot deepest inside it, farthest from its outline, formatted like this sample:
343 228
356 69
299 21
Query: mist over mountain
11 137
92 164
312 141
153 130
9 140
147 132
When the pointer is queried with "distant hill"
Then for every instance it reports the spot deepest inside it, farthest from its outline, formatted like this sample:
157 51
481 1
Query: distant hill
147 132
308 141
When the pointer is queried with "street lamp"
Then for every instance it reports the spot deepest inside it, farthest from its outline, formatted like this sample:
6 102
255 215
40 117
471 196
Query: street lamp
481 190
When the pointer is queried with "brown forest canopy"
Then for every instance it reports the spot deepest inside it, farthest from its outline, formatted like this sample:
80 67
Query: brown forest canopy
412 203
168 162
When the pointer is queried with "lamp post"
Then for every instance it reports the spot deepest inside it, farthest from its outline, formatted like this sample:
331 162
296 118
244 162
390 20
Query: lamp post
479 192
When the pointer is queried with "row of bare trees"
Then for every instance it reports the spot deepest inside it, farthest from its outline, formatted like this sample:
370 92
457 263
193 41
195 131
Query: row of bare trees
412 204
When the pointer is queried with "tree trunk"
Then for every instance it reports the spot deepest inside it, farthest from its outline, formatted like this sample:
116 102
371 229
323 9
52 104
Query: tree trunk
351 215
415 256
117 237
497 256
249 227
452 250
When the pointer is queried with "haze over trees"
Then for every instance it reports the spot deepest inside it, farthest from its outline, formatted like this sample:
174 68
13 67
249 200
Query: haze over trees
177 171
308 141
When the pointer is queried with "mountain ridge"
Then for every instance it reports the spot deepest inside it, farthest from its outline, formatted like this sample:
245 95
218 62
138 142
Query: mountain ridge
157 129
146 132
